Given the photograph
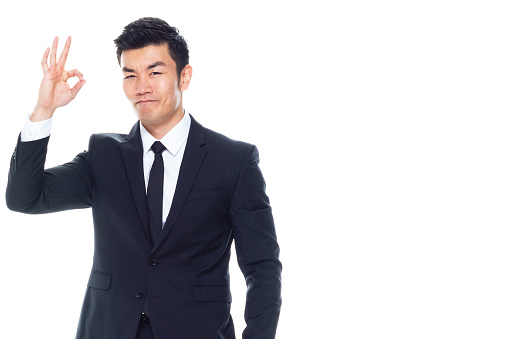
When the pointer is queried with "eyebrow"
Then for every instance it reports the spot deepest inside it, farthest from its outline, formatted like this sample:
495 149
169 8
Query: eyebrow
154 65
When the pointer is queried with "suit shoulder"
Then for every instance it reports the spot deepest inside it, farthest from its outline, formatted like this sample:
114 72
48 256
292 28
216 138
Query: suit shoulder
218 140
108 137
99 143
104 139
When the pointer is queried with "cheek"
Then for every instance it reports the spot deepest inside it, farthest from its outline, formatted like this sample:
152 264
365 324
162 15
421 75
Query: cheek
175 96
128 91
170 91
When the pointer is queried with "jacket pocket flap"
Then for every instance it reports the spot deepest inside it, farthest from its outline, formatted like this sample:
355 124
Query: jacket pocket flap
100 281
212 293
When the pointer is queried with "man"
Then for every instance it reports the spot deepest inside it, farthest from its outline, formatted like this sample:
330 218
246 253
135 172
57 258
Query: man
167 201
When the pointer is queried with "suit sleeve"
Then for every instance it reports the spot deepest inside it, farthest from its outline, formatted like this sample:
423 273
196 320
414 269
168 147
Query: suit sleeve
257 250
32 189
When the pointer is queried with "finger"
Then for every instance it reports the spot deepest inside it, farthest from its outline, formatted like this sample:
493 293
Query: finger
65 52
53 56
44 61
74 73
77 87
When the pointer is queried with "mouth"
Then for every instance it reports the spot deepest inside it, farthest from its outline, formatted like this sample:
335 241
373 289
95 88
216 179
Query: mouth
143 102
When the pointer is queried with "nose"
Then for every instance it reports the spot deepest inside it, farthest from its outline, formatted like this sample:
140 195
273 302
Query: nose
143 86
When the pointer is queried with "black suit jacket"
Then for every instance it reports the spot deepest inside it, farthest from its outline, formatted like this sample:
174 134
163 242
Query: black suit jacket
220 196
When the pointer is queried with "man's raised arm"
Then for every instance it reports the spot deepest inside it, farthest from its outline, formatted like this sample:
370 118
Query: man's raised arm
30 188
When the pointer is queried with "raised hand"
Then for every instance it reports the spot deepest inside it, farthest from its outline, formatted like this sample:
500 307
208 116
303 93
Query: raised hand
55 91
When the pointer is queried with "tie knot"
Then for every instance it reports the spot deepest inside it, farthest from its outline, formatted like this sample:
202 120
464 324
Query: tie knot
157 147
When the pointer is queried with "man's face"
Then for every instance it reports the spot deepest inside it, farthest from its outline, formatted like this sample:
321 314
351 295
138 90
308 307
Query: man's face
152 86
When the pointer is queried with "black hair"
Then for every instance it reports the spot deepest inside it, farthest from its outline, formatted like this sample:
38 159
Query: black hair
154 31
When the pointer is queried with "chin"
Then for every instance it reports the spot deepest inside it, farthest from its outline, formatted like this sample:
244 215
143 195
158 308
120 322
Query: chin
144 115
149 119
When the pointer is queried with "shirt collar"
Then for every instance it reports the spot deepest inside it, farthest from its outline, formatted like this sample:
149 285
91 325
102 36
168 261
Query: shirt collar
173 140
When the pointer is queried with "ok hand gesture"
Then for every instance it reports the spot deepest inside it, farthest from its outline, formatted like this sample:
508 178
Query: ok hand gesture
55 91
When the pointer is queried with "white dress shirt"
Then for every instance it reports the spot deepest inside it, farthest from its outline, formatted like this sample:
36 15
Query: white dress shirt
175 142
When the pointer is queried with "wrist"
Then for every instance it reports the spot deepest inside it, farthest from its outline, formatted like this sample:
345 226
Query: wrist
41 113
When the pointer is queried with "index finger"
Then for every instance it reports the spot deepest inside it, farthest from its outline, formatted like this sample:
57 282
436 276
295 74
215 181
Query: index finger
65 52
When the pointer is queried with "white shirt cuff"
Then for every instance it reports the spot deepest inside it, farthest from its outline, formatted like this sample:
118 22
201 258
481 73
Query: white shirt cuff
36 130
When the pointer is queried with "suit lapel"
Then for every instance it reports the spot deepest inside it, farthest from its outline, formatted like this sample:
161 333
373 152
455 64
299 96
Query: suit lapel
132 155
191 163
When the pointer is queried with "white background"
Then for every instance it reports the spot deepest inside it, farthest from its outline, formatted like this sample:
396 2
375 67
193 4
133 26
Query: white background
382 130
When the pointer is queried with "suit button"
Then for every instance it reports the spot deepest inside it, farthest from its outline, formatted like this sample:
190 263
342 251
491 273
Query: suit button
139 294
152 262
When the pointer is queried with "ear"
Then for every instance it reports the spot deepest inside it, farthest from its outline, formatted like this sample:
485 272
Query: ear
185 77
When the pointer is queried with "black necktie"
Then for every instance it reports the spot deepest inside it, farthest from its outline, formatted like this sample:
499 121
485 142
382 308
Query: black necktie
155 192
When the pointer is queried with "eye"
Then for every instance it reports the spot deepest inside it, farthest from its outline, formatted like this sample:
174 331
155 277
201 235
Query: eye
155 73
129 77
